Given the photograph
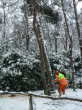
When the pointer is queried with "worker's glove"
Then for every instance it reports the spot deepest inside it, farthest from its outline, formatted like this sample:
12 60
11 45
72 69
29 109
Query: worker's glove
57 83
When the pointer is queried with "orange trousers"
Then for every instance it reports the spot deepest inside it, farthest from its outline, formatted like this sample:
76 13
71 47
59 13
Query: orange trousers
61 89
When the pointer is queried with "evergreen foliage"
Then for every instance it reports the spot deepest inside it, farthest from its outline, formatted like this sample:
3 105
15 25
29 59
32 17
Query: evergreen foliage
51 16
61 62
21 72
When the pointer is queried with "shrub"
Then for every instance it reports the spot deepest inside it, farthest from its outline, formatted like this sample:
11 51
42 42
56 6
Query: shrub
20 73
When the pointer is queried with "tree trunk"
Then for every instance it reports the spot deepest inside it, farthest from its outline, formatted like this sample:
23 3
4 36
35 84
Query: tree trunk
4 48
70 37
65 42
41 44
55 38
71 59
4 22
26 29
48 68
42 60
55 44
78 30
41 51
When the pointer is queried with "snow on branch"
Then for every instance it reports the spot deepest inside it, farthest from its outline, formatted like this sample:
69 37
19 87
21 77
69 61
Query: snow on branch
10 4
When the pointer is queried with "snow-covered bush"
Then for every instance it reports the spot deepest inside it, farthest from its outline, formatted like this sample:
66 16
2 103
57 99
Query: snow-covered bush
77 64
61 61
20 72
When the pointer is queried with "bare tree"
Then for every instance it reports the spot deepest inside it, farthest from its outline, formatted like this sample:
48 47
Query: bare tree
25 11
40 48
70 46
43 54
78 30
65 41
4 6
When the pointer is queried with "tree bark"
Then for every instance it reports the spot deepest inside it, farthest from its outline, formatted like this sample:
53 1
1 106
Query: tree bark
41 51
55 44
4 32
65 42
41 44
70 46
26 29
46 61
78 30
71 59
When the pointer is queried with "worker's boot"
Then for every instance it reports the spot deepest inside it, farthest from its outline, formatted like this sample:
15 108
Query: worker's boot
63 93
60 93
59 96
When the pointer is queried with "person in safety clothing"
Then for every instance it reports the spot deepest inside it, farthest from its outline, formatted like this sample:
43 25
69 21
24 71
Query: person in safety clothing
62 82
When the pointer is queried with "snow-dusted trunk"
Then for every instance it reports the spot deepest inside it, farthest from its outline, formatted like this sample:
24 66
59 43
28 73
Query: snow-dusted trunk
41 51
46 61
65 42
55 44
26 29
42 59
4 32
71 59
70 46
78 30
41 47
4 22
55 38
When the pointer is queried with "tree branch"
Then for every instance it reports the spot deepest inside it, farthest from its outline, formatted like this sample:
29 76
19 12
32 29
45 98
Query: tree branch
9 5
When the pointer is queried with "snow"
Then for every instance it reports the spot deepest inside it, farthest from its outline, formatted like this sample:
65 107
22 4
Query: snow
22 103
79 7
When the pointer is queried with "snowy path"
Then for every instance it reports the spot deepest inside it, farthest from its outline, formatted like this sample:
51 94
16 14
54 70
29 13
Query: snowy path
22 103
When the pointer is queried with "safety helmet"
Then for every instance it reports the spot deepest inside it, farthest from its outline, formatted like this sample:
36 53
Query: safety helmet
57 72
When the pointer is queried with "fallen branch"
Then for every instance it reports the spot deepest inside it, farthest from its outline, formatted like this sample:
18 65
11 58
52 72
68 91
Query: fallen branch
53 98
42 96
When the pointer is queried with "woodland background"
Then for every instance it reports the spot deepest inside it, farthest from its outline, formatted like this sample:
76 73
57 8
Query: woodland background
38 37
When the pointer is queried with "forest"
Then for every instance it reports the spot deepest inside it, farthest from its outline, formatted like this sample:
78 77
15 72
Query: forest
38 37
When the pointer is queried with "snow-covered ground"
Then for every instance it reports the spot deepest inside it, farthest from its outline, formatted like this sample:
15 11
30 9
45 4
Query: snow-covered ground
21 102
